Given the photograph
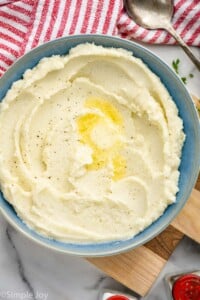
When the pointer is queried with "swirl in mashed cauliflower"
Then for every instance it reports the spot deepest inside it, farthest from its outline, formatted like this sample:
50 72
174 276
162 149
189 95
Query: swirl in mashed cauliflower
90 146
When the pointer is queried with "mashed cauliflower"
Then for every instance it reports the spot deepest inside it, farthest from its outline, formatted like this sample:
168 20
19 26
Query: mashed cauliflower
90 146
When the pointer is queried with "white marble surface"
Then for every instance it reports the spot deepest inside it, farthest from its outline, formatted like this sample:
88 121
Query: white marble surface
29 271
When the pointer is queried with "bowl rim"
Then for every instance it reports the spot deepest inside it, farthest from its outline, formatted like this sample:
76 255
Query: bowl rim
173 213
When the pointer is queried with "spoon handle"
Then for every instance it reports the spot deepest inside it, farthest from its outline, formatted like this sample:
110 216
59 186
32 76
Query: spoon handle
187 50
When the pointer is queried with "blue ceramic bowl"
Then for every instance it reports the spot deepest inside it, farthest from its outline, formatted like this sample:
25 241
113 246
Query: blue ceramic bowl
190 160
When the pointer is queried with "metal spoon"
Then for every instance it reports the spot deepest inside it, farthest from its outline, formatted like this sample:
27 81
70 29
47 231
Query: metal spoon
154 14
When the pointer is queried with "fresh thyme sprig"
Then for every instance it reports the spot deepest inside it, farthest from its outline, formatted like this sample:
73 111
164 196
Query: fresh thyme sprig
176 65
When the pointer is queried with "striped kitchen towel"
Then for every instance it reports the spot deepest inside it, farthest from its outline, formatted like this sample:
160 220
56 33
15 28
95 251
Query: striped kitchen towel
186 21
24 24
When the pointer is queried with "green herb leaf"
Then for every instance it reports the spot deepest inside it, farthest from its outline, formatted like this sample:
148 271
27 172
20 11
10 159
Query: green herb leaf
184 79
191 75
175 65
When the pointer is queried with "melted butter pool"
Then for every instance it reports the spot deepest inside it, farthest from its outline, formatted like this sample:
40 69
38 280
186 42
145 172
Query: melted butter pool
102 131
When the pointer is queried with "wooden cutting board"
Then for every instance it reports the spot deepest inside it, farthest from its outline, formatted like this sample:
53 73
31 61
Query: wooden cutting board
139 268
